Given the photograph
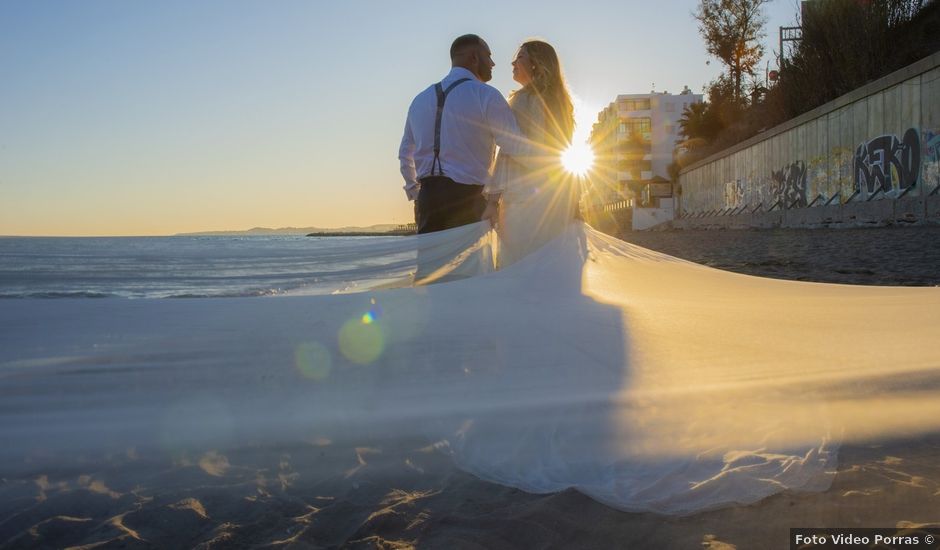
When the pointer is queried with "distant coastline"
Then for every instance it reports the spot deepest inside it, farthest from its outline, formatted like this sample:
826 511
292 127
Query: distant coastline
362 234
386 229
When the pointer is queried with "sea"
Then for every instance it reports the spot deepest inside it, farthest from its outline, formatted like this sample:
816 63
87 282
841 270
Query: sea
191 266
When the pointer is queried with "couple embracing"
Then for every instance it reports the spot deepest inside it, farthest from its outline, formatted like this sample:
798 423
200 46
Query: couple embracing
449 145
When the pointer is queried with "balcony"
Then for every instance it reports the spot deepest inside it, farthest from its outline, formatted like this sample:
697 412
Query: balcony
631 107
643 137
636 113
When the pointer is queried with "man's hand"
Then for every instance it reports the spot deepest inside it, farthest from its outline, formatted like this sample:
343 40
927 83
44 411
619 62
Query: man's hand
491 213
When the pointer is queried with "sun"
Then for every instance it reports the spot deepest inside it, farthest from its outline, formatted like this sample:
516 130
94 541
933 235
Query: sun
578 159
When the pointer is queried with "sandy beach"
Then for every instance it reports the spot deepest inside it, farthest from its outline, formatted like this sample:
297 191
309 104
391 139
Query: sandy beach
905 256
349 491
329 496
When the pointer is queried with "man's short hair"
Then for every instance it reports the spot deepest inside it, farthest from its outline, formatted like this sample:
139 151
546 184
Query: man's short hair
462 42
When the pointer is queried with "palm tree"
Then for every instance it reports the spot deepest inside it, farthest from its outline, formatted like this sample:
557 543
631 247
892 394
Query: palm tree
699 120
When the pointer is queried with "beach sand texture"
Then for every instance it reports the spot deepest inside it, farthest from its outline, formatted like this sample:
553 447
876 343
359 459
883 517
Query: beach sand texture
330 496
908 256
351 490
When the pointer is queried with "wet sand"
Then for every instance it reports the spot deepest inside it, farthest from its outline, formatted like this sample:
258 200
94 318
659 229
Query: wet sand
340 496
905 256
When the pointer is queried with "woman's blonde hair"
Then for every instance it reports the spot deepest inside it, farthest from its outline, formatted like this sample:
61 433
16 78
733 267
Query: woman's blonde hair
548 85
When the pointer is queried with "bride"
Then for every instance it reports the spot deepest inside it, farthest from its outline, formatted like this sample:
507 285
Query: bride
538 201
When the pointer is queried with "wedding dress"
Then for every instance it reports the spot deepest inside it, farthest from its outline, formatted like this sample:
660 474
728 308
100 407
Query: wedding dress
647 382
538 199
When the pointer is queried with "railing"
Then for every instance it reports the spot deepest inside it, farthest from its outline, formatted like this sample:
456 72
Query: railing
614 218
405 229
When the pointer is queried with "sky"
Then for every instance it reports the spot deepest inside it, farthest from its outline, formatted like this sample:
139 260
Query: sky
152 118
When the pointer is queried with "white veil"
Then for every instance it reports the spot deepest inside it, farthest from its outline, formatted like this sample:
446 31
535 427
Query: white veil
355 265
645 381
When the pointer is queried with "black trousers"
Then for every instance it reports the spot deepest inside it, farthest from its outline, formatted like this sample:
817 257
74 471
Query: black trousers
443 203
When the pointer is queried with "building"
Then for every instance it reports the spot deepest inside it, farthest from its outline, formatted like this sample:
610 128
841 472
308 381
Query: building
633 141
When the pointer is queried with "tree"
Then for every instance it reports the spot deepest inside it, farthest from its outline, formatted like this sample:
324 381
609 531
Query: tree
732 30
698 122
708 120
847 43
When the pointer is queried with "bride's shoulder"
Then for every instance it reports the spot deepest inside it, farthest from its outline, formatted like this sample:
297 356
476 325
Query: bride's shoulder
519 97
524 102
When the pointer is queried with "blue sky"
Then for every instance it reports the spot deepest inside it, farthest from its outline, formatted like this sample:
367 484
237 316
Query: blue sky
148 118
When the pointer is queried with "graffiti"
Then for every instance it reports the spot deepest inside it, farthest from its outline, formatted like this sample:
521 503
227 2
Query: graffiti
886 163
931 159
931 145
884 160
818 176
752 193
762 185
840 171
734 193
789 185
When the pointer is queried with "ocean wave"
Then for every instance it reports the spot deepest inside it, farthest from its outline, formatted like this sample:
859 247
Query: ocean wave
249 293
157 294
63 294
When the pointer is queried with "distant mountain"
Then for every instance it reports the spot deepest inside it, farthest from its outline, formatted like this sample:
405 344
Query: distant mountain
379 228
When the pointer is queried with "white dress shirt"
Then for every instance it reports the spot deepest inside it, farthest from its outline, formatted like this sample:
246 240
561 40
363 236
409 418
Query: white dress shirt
476 119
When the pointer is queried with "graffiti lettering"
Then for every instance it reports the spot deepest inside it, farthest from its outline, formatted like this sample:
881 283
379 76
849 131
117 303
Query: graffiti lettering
878 160
931 145
789 184
931 160
887 163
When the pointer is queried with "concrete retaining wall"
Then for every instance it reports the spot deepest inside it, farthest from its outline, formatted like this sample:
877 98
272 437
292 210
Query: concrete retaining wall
869 157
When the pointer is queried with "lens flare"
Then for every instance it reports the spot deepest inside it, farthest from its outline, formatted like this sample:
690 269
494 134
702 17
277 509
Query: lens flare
313 360
361 342
373 315
578 159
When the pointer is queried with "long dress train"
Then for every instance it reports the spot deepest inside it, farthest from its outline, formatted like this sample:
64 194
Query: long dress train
647 382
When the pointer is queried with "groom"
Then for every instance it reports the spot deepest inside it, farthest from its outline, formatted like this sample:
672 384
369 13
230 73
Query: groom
451 134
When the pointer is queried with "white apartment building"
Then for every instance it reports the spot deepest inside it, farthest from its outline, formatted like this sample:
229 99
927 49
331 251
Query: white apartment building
633 140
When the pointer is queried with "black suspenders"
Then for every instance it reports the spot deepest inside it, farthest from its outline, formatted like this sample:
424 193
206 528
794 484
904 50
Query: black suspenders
441 97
